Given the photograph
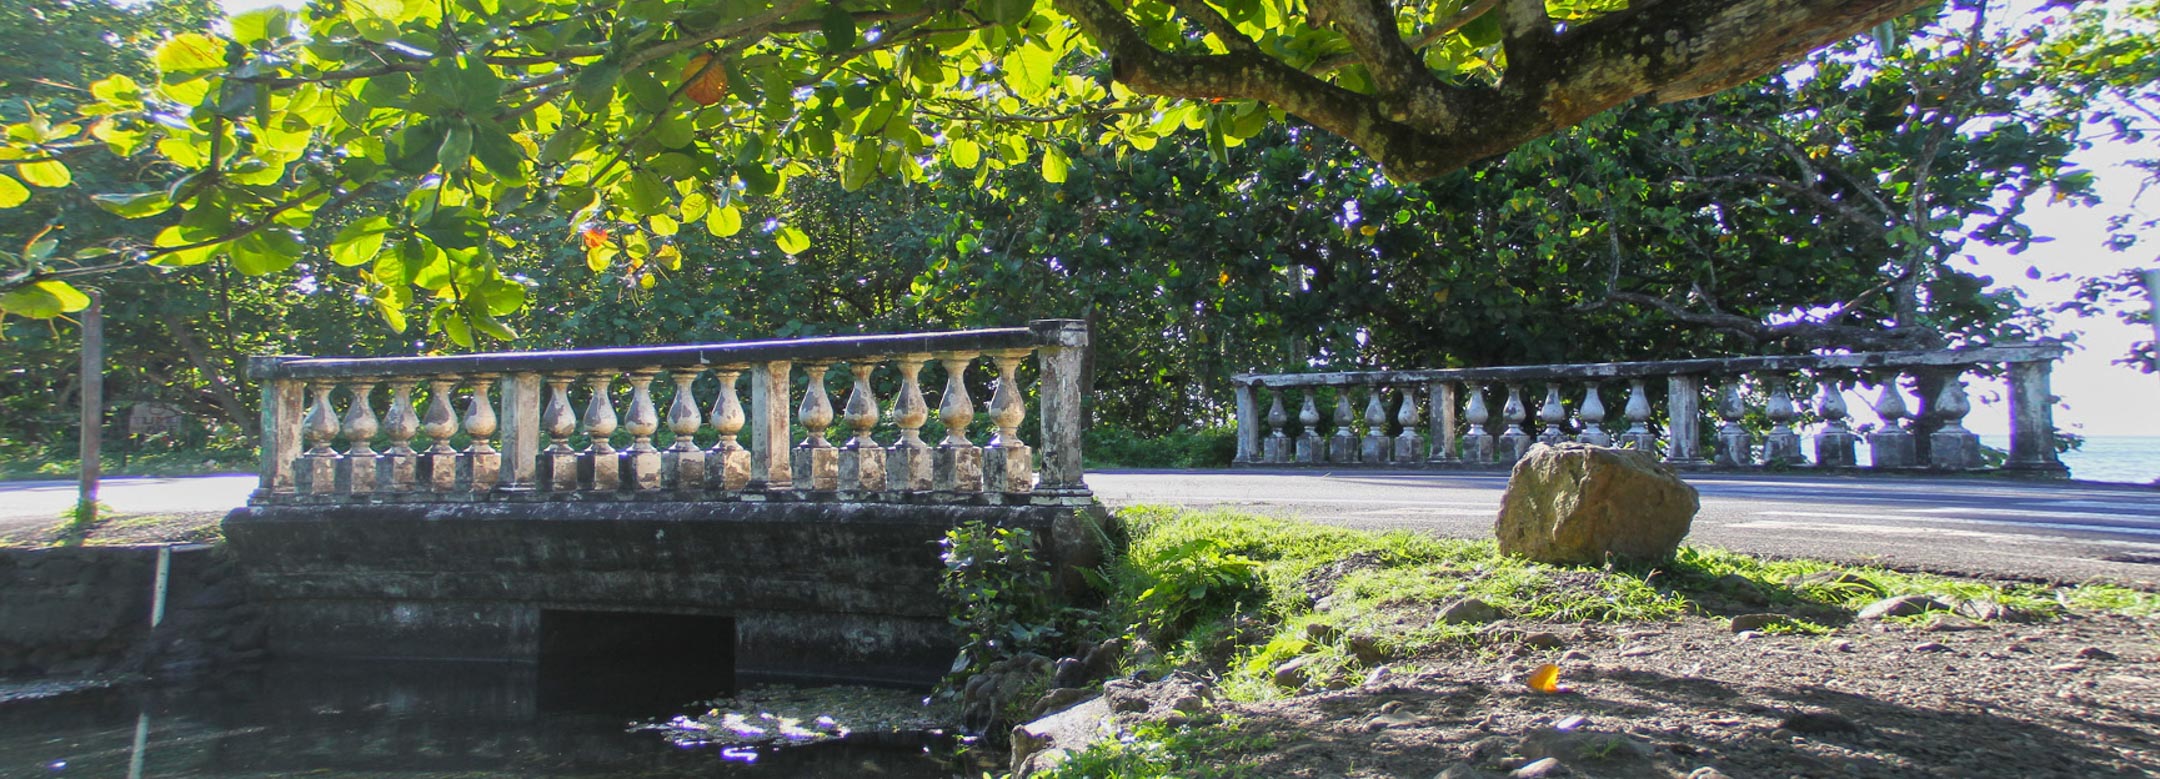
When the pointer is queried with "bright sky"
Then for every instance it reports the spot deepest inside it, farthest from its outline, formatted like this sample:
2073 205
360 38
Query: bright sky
2099 397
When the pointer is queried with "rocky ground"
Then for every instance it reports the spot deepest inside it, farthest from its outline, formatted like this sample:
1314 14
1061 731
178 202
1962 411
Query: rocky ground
117 529
2076 697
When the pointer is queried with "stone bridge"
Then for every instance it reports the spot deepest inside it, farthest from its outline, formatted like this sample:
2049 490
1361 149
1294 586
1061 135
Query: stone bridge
517 531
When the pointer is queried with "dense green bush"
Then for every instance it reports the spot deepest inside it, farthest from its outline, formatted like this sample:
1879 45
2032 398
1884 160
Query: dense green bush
1111 446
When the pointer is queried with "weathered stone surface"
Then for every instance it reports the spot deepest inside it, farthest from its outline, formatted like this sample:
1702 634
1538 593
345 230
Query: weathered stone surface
1037 746
1469 611
1903 606
1577 504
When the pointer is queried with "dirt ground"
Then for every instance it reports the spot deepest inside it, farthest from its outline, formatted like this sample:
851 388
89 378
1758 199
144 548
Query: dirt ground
117 529
2079 697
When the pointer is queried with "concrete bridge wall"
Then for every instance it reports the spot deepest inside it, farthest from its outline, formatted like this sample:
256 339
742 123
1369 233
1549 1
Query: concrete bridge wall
816 590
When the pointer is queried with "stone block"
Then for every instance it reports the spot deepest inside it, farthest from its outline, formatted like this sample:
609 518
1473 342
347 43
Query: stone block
641 470
315 475
1892 448
908 468
1409 447
1512 447
816 468
1311 448
1478 449
399 472
356 474
1575 504
557 471
682 469
600 471
1375 448
1783 448
1836 449
727 468
1275 449
1009 468
956 469
862 468
1735 449
478 471
1343 448
438 471
1955 449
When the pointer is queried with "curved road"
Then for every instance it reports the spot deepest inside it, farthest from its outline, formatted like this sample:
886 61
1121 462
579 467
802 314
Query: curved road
2061 530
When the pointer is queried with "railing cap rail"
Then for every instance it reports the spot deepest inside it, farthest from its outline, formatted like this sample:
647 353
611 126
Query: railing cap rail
2038 351
1041 333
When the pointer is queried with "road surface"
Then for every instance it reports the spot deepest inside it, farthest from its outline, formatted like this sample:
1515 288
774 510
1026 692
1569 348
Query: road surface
2072 531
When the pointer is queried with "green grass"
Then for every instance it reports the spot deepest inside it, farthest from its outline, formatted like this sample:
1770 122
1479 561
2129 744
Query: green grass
1157 750
1235 592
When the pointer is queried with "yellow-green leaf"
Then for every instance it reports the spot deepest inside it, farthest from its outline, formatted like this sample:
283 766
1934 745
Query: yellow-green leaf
189 54
965 153
791 240
12 192
1055 166
724 221
45 173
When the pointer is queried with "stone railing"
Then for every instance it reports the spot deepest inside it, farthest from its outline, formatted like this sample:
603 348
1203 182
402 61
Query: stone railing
532 400
1466 429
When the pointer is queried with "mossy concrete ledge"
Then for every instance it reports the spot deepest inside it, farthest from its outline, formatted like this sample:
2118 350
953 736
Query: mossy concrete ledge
817 591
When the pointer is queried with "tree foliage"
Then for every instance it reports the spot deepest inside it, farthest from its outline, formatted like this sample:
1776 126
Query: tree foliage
638 117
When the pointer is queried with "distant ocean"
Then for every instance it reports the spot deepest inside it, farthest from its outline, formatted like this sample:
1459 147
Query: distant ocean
2129 458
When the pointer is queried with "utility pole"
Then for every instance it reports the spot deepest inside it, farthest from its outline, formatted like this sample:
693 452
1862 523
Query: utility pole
93 407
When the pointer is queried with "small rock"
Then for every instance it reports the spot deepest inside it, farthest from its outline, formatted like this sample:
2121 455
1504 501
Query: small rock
1742 589
2095 653
1057 700
1321 632
1706 772
1379 675
1292 674
1462 771
1931 646
1582 746
1756 621
1639 651
1190 704
1366 648
1842 645
1469 611
1392 719
1902 606
2067 667
1575 655
1950 623
1571 722
1543 640
1819 723
1539 769
1581 504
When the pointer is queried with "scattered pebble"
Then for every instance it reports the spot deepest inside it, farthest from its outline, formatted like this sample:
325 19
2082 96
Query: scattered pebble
1571 722
1539 769
2095 653
2067 667
1543 640
1819 723
1758 621
1931 646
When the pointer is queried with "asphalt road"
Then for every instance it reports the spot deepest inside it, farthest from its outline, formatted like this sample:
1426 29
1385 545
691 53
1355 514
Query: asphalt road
2069 531
2066 531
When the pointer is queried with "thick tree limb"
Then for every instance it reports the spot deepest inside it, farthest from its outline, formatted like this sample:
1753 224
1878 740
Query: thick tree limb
1419 127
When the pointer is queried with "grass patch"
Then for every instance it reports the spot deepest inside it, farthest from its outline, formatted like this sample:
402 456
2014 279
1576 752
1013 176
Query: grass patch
1245 593
1215 751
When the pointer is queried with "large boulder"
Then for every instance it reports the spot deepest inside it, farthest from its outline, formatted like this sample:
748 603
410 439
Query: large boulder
1576 504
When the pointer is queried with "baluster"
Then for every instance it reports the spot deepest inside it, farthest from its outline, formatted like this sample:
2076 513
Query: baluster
1311 448
1952 446
1410 443
1008 462
817 463
641 459
1478 447
600 466
727 463
1275 448
440 460
769 429
520 396
1891 446
558 467
958 463
1735 445
682 466
284 423
1441 394
394 469
1248 425
316 471
1343 447
480 465
1514 442
1593 418
862 460
908 466
1834 445
1553 414
1782 445
356 470
1638 436
1376 447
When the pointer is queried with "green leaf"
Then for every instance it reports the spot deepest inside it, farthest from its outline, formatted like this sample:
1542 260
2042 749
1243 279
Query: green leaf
265 251
1011 11
1055 165
188 55
12 192
360 241
862 165
724 221
643 193
50 174
965 153
839 28
134 206
456 148
44 300
791 240
663 225
261 25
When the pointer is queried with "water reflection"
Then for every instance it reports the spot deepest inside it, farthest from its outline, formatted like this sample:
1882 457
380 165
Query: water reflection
380 719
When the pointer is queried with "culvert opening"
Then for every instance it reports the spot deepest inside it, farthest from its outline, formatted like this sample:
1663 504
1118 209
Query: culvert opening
616 660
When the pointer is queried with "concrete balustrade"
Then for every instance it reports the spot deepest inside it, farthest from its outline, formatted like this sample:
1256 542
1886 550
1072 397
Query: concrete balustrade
1465 431
529 399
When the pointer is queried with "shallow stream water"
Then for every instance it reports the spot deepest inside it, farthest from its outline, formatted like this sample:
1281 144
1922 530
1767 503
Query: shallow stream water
408 720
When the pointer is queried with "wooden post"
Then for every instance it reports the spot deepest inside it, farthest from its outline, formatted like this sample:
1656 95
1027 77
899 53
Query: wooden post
93 407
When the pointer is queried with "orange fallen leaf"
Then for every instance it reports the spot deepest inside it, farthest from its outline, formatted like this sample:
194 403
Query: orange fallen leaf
1545 679
594 238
